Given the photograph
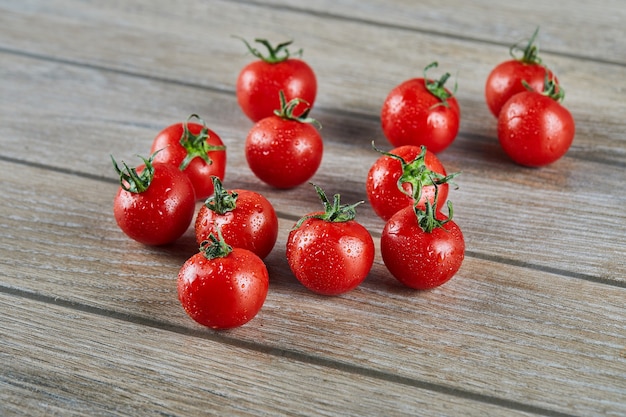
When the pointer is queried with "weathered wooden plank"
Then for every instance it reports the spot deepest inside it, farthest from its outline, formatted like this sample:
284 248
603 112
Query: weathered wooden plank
557 337
63 361
504 23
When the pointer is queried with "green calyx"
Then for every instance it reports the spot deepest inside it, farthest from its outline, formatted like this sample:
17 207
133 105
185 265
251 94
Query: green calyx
436 87
287 108
550 88
222 201
215 247
130 180
197 146
417 174
274 55
427 218
333 212
530 53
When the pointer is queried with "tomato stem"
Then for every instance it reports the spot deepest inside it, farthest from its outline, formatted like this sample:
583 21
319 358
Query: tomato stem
132 181
222 200
333 212
530 53
550 88
197 146
215 247
427 218
437 88
417 174
287 108
274 55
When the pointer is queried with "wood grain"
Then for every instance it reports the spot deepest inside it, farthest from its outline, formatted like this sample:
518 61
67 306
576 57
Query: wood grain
65 246
131 369
533 324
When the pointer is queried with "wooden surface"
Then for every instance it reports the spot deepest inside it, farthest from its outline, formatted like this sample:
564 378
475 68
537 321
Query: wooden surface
533 324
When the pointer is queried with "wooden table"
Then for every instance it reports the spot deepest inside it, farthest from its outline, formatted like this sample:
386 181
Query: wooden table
534 323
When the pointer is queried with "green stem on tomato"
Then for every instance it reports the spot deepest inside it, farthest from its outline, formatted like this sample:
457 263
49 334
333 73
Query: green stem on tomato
287 108
222 200
550 88
274 55
132 181
530 53
197 146
427 218
436 87
333 212
417 174
215 247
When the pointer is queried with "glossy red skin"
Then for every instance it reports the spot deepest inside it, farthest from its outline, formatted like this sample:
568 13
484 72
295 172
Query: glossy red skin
223 293
283 153
252 225
382 182
535 130
330 258
411 115
505 80
198 171
162 213
259 83
418 259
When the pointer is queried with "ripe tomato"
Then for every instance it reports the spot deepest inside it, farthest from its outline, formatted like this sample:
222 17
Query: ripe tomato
196 150
418 257
247 219
421 111
507 78
534 129
222 287
260 81
405 175
329 252
284 150
155 202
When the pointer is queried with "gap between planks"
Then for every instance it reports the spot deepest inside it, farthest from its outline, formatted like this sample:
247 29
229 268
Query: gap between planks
295 355
412 29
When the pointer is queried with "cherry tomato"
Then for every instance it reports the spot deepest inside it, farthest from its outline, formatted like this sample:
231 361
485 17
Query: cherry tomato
260 81
508 77
402 176
284 150
155 202
196 150
246 218
419 257
534 129
421 111
329 252
222 287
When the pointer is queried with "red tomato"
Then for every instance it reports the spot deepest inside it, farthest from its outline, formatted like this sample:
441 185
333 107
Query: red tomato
329 252
421 111
222 287
418 258
259 82
247 219
283 150
196 150
410 167
507 78
534 129
155 202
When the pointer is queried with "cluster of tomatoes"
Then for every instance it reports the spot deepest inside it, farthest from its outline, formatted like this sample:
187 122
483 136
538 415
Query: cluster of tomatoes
534 128
225 283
